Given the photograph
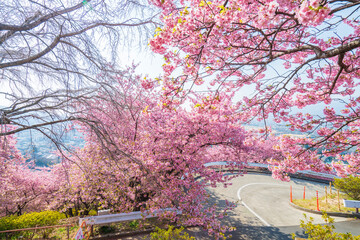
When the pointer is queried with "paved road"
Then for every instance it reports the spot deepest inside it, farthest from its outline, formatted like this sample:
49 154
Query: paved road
263 211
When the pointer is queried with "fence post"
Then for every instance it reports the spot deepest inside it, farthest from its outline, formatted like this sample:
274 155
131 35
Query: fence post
326 194
304 193
330 189
317 201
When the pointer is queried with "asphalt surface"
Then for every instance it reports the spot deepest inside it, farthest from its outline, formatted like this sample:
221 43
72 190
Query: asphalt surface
263 212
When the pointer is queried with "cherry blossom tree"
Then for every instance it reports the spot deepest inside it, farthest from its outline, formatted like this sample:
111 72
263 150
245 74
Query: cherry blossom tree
153 156
51 53
293 55
23 188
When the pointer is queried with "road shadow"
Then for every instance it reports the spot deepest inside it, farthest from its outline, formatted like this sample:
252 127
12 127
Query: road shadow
245 232
249 228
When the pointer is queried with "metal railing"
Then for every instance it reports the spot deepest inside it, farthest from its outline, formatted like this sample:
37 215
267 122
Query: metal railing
39 228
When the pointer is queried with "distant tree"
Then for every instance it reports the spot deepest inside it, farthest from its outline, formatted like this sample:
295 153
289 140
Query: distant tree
23 188
349 185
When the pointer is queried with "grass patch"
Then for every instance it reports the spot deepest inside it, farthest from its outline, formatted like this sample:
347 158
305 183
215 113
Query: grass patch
327 204
61 233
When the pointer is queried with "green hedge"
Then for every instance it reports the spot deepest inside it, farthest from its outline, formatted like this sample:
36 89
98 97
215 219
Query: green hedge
29 220
350 186
323 231
170 234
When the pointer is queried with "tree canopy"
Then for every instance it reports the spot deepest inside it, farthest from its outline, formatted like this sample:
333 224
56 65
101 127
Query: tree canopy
293 56
148 140
52 51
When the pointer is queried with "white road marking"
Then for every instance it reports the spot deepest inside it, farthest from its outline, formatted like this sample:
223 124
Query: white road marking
252 211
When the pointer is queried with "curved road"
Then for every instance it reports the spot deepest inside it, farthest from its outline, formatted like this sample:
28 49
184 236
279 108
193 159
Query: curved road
263 210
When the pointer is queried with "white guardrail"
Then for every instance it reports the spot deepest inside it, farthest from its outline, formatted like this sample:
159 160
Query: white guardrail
351 203
262 165
122 217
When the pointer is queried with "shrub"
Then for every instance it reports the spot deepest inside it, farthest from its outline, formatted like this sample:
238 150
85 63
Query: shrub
107 229
350 186
30 220
134 224
93 212
319 232
170 234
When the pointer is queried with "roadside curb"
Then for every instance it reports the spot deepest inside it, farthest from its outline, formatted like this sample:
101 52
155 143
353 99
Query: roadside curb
334 214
